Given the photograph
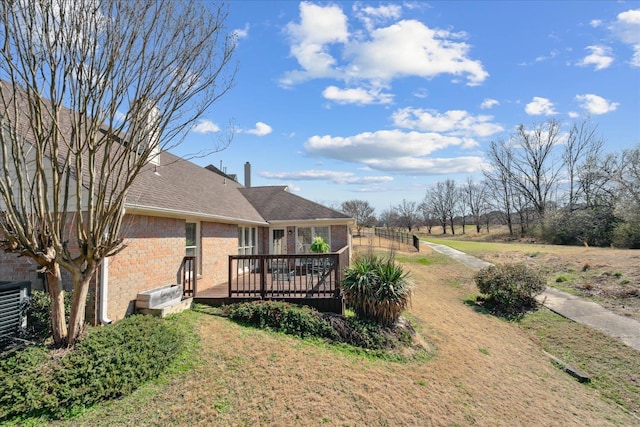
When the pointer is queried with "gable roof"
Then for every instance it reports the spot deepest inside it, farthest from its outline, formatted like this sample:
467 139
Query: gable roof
177 186
275 203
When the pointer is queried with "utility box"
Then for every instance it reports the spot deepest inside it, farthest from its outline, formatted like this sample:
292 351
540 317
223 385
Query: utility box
13 300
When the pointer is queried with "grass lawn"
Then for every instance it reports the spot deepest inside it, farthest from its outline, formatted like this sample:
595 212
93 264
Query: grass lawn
486 371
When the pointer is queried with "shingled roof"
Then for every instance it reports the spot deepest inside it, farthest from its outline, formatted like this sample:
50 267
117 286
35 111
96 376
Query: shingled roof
179 186
275 203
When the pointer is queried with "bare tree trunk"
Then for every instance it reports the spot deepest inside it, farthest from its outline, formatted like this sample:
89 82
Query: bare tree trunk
77 315
58 324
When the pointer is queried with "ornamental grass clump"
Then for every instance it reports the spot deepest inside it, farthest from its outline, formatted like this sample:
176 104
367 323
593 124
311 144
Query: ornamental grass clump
377 289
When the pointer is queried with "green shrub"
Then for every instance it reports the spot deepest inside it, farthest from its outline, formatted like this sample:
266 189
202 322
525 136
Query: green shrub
109 362
282 317
377 289
591 225
307 322
627 234
38 310
362 333
319 246
511 288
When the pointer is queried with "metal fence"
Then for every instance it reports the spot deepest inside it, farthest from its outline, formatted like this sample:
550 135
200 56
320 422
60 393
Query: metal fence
398 236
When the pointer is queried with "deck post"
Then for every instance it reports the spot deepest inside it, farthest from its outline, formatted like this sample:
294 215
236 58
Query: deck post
263 277
230 276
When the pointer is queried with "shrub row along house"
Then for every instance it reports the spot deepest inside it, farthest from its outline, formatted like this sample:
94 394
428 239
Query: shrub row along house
187 223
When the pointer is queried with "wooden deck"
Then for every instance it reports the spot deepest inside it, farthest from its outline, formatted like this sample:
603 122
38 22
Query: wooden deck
311 279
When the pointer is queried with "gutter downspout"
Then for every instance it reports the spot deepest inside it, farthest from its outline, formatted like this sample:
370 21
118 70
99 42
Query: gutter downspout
104 291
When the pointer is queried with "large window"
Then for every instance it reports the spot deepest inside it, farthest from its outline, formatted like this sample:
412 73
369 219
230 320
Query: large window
305 236
247 245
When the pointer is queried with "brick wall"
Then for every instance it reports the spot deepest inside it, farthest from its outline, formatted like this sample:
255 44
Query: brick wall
153 258
218 242
17 269
339 237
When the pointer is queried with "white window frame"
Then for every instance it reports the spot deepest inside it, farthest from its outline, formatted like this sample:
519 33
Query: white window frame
305 248
197 247
247 246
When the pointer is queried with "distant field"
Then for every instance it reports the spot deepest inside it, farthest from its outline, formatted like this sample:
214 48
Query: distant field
608 276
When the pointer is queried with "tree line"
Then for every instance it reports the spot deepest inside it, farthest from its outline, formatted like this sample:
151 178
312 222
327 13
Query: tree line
556 186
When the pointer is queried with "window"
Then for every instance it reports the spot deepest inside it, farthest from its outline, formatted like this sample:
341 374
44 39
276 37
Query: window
192 239
305 236
192 242
247 245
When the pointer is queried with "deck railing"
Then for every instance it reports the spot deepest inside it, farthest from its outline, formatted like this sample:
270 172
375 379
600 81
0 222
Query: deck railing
287 276
189 276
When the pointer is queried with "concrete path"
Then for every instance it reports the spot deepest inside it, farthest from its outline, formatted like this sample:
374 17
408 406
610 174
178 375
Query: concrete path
567 305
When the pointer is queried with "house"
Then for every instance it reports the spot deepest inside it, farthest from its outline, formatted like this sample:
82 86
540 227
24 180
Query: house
176 210
190 225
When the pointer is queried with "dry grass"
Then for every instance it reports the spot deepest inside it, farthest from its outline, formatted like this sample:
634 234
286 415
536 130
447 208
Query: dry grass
486 372
608 276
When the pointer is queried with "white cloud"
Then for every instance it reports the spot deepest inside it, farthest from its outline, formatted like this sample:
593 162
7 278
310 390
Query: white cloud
261 129
595 23
370 16
595 104
453 122
324 48
551 55
540 106
337 177
293 188
600 57
206 126
242 33
410 48
573 114
319 26
356 96
489 103
627 29
369 146
430 166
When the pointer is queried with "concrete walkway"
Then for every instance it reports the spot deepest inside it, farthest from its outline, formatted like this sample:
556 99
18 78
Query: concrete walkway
567 305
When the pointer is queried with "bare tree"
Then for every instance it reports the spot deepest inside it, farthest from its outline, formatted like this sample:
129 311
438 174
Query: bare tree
92 91
533 170
443 199
361 211
498 178
388 218
596 178
628 174
474 197
581 146
426 210
407 214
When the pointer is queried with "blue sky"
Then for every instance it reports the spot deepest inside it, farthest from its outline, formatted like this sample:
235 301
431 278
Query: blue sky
379 101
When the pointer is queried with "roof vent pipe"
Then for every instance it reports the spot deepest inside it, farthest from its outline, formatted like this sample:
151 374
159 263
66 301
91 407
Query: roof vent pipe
247 174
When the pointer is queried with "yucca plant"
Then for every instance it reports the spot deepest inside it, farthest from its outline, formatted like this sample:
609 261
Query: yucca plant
377 289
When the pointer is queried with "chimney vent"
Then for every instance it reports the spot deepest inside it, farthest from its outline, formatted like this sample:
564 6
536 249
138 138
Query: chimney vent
247 174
